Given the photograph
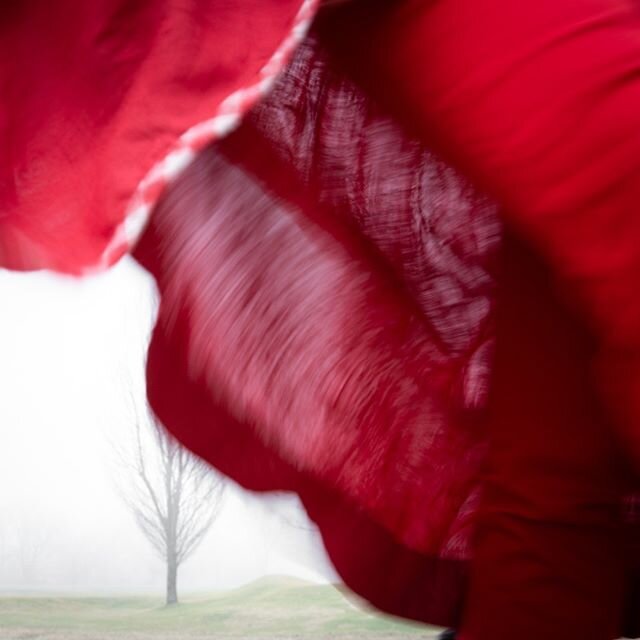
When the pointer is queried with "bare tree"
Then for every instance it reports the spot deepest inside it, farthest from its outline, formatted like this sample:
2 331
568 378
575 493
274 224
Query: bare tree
30 551
174 496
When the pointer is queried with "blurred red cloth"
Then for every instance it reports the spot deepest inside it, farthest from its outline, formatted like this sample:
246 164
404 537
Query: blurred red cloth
325 326
327 282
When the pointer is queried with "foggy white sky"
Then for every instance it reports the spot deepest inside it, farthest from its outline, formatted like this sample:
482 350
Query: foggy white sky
69 351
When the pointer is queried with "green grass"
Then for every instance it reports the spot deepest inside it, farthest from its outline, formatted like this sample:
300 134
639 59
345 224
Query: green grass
268 608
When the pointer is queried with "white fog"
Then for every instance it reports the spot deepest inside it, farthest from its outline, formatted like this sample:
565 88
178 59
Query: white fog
71 351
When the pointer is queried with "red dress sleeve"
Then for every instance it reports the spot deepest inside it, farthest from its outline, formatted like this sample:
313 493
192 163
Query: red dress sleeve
539 102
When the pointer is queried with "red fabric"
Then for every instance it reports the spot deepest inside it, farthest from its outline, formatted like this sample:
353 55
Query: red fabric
545 118
94 93
326 322
327 283
550 555
319 209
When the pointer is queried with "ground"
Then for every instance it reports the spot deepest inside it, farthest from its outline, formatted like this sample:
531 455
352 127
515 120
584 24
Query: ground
270 609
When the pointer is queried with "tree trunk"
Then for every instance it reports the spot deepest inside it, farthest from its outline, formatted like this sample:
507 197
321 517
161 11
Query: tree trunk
172 581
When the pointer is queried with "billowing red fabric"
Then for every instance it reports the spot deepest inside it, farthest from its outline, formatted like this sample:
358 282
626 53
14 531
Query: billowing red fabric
95 93
545 118
326 288
327 282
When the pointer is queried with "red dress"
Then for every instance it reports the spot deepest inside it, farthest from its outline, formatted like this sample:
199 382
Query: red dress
328 283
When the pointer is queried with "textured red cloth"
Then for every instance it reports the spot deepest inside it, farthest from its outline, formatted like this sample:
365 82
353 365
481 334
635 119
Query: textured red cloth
95 93
537 102
328 283
328 299
326 302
